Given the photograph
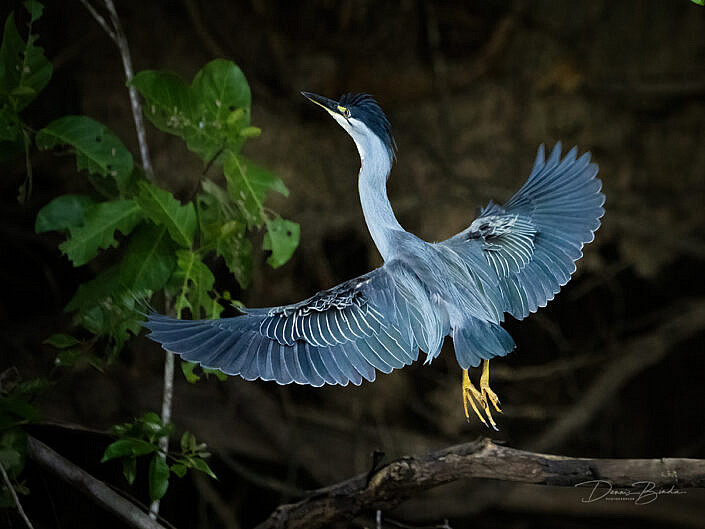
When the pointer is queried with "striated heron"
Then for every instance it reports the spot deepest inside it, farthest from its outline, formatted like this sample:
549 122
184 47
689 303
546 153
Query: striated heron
512 259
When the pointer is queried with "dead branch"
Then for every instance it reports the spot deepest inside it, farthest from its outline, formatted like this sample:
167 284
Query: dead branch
405 477
95 489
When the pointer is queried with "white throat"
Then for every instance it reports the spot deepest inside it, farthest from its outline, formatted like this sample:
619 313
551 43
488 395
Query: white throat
376 163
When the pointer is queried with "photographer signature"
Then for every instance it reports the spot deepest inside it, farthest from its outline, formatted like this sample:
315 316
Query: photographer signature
641 492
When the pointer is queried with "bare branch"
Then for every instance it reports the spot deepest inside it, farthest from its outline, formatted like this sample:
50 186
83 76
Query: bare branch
95 489
121 42
118 36
167 397
99 18
9 486
405 477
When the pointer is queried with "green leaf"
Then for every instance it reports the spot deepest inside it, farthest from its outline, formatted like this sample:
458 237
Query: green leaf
98 230
169 102
16 410
106 308
69 357
200 464
62 213
24 70
236 250
93 292
195 281
34 8
282 238
215 309
188 442
699 2
163 209
61 341
248 185
13 450
221 88
209 115
11 459
158 477
187 369
150 259
127 447
217 372
223 227
33 386
250 132
179 469
97 149
129 469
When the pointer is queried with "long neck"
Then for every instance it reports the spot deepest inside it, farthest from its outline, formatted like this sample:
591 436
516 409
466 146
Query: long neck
372 184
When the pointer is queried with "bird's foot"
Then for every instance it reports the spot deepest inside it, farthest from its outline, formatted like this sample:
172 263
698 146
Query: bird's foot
487 393
480 399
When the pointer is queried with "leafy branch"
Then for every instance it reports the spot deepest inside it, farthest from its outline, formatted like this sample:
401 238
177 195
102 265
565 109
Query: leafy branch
141 438
143 244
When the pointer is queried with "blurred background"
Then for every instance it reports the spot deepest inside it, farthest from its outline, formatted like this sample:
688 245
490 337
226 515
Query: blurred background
613 367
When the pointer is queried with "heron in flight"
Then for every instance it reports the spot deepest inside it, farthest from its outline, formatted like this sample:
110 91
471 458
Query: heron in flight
511 259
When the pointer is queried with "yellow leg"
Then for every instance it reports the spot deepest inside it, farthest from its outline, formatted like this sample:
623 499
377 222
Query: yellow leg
480 398
485 387
471 395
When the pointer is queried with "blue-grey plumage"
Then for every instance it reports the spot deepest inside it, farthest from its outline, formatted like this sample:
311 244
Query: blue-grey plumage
511 259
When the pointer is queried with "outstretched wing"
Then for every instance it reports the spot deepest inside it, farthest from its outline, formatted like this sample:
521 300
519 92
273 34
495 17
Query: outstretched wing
522 253
337 336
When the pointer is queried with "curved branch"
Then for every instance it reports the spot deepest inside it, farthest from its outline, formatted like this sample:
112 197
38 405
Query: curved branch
405 477
95 489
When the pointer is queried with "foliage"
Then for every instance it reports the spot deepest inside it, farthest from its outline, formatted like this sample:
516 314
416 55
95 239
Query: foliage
141 242
141 438
147 222
24 72
16 411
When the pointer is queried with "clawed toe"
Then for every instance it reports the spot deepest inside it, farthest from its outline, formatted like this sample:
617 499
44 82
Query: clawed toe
480 399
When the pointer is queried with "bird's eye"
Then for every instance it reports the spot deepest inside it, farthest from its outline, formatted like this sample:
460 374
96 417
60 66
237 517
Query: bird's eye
344 111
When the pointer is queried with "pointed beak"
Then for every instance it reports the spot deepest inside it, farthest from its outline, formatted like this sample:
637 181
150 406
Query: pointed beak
328 104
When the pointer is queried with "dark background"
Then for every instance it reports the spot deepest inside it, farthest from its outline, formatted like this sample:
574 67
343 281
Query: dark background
612 368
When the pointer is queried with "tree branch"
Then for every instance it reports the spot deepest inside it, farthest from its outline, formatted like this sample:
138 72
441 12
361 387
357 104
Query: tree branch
121 42
405 477
167 398
95 489
115 32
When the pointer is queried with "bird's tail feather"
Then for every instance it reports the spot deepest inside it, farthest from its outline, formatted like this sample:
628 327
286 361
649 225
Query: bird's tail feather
478 340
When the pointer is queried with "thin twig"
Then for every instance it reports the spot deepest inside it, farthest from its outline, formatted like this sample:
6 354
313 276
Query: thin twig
167 398
20 510
407 476
121 42
95 489
117 34
99 18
